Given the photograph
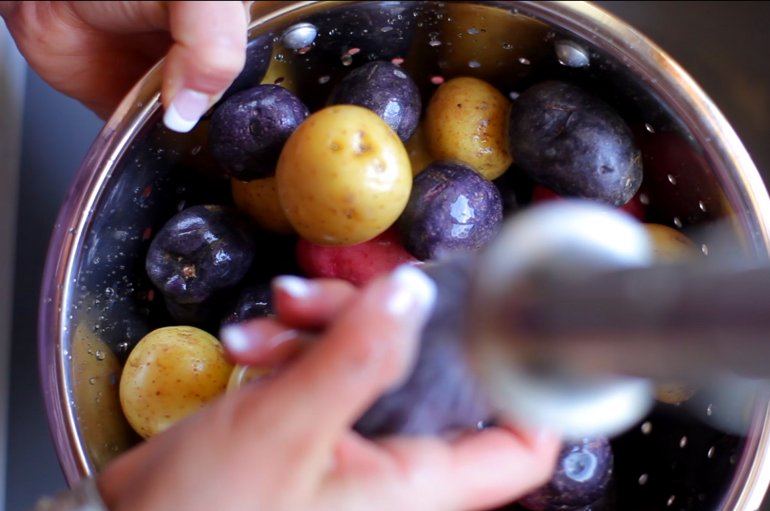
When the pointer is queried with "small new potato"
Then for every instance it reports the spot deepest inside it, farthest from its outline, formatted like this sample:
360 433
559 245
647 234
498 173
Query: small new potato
670 245
258 199
343 176
466 120
171 373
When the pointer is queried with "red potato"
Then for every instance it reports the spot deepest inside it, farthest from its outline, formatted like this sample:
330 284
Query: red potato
355 263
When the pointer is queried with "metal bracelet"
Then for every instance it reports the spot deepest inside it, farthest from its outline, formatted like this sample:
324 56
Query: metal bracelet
84 496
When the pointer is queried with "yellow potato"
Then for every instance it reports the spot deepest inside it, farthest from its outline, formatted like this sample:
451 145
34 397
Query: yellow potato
258 199
417 148
466 120
670 245
171 373
343 176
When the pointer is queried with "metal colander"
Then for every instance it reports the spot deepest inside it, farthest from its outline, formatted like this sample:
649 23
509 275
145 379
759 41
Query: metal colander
97 301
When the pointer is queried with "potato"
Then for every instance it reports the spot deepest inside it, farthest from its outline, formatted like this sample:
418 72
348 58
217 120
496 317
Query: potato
670 245
343 176
258 199
171 373
466 120
417 149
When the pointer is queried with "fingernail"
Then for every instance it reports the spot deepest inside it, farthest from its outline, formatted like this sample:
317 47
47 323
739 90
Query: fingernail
296 287
185 110
235 338
414 290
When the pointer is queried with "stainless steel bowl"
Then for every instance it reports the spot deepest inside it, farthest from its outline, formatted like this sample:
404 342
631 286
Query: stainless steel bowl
96 301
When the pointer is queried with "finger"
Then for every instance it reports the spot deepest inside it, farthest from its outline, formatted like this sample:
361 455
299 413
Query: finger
262 342
310 304
367 349
302 305
481 470
209 51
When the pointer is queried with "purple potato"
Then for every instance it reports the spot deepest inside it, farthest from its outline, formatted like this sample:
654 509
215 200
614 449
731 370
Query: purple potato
200 251
452 208
582 477
201 314
387 90
247 132
574 143
259 52
254 301
442 393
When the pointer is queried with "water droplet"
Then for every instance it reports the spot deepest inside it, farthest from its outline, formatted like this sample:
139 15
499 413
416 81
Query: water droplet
396 61
670 501
386 28
646 428
279 57
671 179
474 64
513 95
709 410
195 150
683 442
507 46
710 453
473 31
99 354
434 43
92 381
109 292
571 54
643 479
644 199
705 249
437 80
702 206
299 36
324 79
346 60
677 222
524 61
649 127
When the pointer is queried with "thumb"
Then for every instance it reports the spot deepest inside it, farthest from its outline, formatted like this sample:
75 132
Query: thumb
368 348
209 51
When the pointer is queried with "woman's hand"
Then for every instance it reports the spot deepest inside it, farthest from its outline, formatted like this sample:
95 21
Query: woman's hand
286 443
96 51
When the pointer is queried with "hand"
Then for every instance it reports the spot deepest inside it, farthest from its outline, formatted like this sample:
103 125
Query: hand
96 51
286 443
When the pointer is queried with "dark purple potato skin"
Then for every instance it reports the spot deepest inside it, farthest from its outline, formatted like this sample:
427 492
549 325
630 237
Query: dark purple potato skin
200 251
254 301
452 208
582 477
259 53
441 394
247 132
574 143
387 90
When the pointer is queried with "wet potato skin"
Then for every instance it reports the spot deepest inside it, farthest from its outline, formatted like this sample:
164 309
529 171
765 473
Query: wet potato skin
466 120
171 373
343 176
